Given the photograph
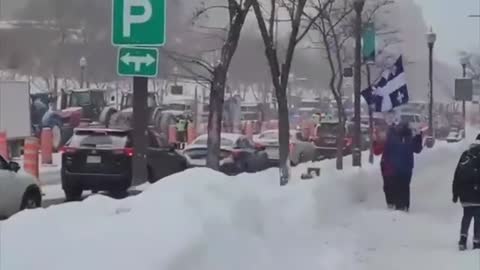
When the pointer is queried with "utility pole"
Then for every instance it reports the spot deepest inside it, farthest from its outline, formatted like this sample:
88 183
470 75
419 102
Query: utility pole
357 154
431 38
464 62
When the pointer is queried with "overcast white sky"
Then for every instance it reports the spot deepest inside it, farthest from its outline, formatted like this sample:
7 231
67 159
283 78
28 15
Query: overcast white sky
449 19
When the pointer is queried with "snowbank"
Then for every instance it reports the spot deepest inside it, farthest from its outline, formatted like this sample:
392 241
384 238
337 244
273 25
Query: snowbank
201 219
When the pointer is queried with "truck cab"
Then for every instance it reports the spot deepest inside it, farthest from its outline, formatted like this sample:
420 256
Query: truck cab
91 101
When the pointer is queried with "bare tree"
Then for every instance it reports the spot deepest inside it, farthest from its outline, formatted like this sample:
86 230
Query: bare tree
279 70
334 25
215 72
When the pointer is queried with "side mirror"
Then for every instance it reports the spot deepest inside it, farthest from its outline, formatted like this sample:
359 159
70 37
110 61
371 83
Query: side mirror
14 166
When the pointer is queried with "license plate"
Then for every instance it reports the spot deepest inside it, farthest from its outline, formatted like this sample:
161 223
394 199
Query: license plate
94 159
198 162
330 141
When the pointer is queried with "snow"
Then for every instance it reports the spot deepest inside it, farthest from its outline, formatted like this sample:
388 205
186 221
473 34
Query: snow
201 219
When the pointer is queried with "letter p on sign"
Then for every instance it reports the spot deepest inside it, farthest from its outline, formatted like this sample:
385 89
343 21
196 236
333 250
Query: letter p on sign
139 22
130 18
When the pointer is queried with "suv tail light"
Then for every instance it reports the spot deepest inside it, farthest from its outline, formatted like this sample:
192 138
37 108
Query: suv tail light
348 142
236 154
67 150
126 151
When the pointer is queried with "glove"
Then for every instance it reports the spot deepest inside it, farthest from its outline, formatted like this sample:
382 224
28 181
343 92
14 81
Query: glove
455 199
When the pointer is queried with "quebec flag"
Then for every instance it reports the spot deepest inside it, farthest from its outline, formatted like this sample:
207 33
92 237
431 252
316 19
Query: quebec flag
390 91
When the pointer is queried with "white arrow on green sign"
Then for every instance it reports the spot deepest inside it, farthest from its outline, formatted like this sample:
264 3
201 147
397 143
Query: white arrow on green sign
134 61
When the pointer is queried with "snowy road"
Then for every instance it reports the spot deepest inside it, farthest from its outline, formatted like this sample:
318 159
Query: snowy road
203 220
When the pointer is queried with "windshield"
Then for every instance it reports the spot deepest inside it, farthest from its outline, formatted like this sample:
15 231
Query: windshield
329 129
271 136
249 108
99 139
79 99
309 104
224 142
151 101
249 116
178 107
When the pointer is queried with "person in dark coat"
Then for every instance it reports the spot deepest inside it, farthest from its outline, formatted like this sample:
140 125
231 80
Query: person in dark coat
397 164
386 169
466 187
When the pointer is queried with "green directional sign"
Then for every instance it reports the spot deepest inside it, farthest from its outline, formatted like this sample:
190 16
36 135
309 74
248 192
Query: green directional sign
369 49
139 22
134 61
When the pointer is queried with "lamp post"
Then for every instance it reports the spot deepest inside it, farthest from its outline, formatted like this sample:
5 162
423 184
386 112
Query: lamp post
357 154
83 66
464 62
431 38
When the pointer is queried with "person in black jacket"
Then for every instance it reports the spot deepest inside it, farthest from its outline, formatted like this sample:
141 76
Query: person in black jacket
466 187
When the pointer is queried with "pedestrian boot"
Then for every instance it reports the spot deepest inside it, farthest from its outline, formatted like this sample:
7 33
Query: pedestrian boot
476 244
391 206
462 244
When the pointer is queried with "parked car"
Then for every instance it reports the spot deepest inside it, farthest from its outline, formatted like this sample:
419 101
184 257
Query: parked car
455 135
301 150
238 154
417 121
327 134
18 191
100 159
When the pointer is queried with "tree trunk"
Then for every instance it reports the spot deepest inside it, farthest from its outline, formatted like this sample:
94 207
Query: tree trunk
341 134
284 136
217 96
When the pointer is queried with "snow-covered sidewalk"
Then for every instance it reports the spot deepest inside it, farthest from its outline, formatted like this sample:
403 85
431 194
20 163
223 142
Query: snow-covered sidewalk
200 219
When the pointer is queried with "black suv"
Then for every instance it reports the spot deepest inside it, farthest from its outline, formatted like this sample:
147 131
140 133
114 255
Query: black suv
100 159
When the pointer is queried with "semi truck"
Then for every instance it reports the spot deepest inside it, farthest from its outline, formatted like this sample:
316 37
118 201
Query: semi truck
15 117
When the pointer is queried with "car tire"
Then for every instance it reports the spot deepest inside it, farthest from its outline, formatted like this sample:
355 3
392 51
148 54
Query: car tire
31 199
73 194
302 158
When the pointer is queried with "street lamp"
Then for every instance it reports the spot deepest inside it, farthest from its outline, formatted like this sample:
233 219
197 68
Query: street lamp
357 154
83 66
464 62
431 38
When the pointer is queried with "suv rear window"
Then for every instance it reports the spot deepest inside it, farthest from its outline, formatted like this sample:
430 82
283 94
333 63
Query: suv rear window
100 139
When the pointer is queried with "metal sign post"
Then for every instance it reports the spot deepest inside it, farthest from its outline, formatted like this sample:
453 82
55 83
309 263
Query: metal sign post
139 23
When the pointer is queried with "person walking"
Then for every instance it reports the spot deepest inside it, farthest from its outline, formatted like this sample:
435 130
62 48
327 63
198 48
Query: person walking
181 123
386 168
398 162
466 187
